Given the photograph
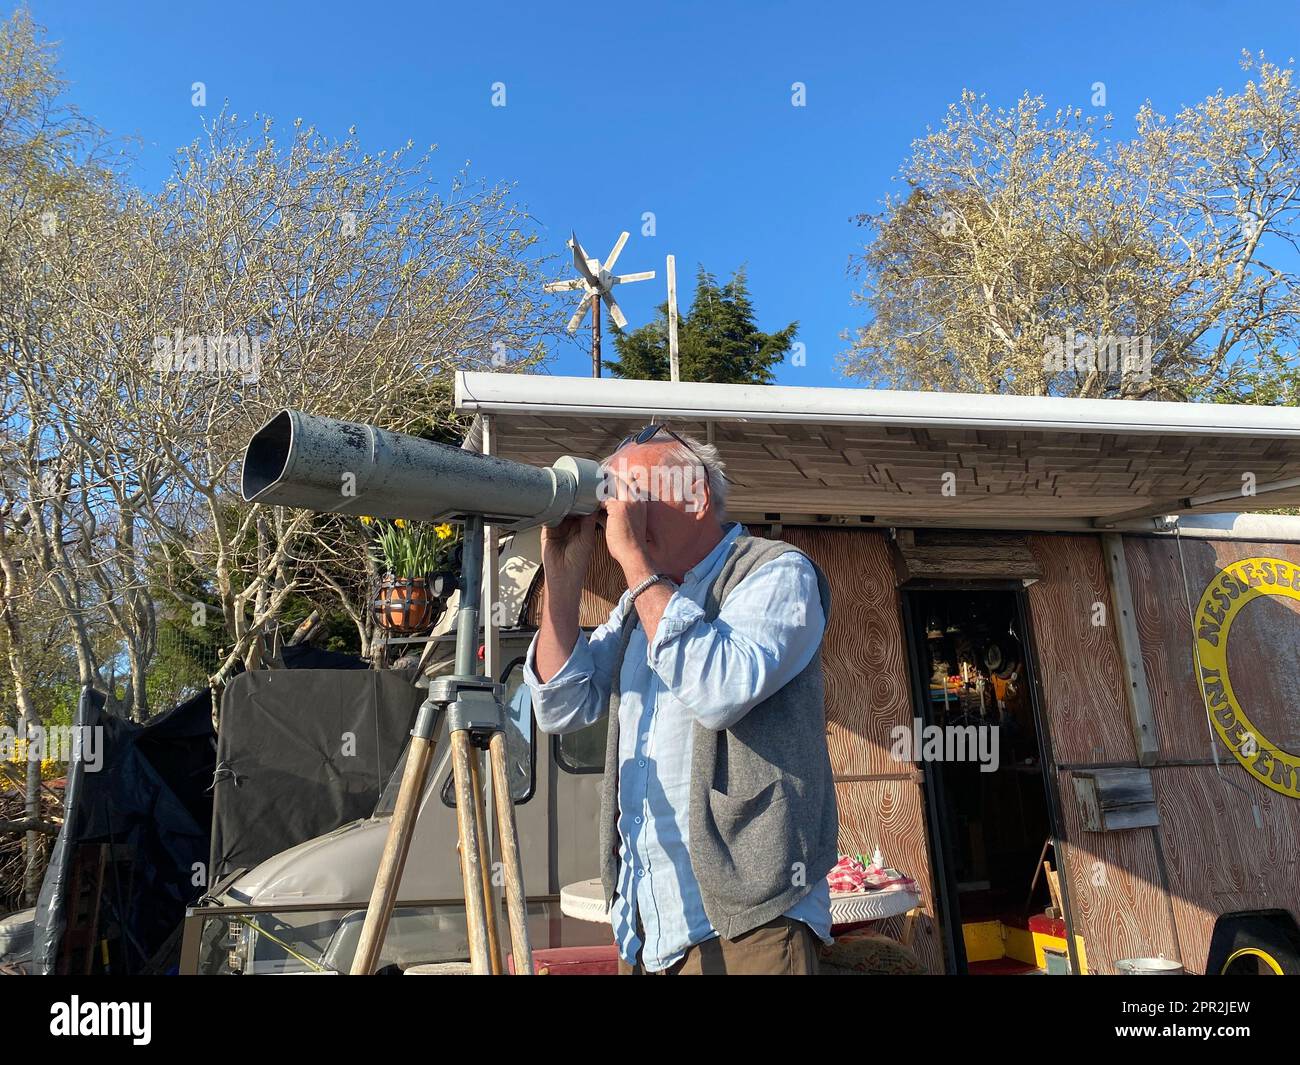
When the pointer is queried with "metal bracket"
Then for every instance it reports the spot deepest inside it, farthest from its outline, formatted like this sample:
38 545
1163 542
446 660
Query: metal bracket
473 704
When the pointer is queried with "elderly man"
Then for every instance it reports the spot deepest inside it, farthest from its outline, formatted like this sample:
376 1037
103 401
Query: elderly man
718 816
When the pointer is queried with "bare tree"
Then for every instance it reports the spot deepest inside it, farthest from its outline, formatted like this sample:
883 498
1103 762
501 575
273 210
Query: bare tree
1029 251
46 162
143 339
350 287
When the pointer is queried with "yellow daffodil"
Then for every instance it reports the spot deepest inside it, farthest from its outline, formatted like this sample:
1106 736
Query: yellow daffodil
367 520
444 531
400 522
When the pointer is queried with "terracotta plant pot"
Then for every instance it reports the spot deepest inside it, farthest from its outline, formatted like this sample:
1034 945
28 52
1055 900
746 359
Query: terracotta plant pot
407 605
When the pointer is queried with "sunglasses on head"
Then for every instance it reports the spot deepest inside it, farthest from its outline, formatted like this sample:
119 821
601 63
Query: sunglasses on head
644 436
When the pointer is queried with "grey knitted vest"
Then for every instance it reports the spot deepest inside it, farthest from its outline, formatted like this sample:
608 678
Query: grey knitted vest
763 818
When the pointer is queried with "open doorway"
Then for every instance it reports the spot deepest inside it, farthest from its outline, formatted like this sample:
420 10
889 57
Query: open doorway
977 736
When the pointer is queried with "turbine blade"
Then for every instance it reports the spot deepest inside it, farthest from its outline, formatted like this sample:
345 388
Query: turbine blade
615 312
576 320
612 258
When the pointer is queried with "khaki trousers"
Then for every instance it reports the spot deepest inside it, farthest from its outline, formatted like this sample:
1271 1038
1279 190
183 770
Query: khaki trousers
782 947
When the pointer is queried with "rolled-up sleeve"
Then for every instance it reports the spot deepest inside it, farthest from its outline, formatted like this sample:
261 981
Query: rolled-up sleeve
578 694
766 633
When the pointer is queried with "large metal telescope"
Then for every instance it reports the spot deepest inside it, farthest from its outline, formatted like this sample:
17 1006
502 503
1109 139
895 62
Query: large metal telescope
337 467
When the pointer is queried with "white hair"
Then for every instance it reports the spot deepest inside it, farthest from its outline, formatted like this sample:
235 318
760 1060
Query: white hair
692 454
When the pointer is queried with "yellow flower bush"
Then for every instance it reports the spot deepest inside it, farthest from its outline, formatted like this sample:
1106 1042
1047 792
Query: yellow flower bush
50 768
412 549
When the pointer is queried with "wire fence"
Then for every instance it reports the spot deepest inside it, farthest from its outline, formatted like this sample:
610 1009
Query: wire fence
185 659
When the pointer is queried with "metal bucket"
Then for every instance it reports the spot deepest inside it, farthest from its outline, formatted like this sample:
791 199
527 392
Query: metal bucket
1148 967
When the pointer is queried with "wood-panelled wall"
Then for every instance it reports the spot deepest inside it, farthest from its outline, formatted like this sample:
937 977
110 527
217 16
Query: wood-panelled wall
1117 897
1113 879
1267 630
1079 661
882 803
1158 891
1219 856
1216 860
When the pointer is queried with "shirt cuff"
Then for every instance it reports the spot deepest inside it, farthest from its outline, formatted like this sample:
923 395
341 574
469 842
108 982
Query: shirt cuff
678 616
577 667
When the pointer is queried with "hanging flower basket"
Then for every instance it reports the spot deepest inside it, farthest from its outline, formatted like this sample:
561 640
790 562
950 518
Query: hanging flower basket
417 581
407 605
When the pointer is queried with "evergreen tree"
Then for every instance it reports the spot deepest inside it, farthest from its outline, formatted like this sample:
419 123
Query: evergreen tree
718 336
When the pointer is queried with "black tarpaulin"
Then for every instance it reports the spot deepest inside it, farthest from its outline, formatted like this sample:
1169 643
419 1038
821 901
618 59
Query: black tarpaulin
145 813
305 656
301 752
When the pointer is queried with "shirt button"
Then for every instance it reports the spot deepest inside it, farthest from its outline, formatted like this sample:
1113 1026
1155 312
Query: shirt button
641 762
637 820
640 872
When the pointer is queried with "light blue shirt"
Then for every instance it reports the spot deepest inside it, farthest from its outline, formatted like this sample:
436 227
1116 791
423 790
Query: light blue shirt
766 633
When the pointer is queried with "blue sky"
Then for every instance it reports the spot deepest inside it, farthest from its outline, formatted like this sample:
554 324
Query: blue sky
681 109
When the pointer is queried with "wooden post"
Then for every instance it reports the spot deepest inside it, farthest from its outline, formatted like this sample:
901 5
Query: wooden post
674 362
306 629
1130 651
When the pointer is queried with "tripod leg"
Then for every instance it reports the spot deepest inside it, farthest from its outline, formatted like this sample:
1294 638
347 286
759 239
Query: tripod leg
485 864
393 860
508 834
462 752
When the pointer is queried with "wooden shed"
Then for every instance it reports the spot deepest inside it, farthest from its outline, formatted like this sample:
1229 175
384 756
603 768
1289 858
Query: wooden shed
1060 568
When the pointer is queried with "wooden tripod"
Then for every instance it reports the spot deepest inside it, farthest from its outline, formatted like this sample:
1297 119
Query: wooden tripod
475 719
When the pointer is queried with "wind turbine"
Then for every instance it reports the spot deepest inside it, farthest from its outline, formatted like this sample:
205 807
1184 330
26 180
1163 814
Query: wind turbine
596 281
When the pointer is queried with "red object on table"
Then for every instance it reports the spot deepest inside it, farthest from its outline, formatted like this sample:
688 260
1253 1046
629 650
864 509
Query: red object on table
573 961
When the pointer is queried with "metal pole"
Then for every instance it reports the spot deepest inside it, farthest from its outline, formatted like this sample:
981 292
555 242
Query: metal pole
595 335
674 362
418 757
467 617
491 670
468 796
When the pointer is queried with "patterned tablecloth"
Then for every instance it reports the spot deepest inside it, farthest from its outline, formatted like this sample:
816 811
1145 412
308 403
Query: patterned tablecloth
584 901
872 905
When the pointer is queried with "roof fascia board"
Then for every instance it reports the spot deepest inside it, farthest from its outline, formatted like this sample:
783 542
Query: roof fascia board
584 397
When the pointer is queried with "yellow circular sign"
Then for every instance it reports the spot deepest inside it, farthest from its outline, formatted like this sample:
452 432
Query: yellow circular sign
1232 588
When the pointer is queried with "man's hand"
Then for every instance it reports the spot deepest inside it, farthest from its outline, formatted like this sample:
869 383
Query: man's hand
625 538
625 530
566 551
566 554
